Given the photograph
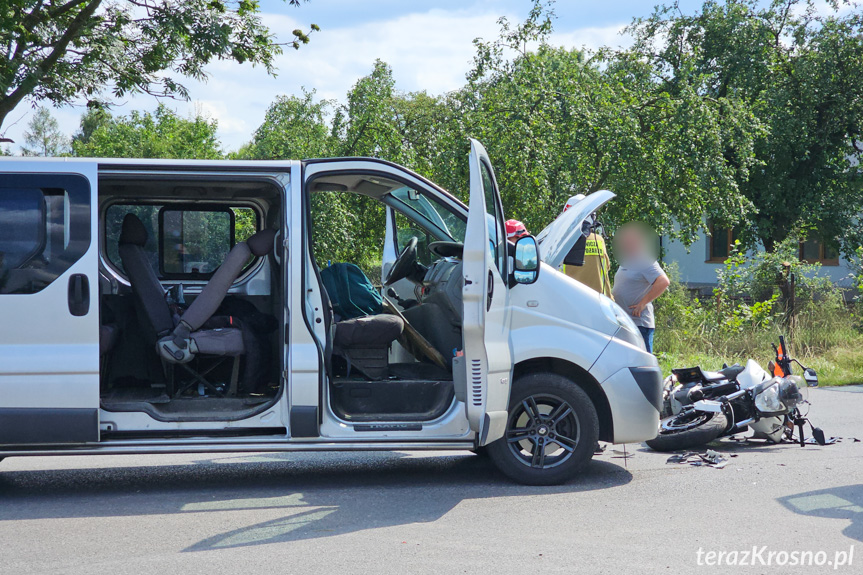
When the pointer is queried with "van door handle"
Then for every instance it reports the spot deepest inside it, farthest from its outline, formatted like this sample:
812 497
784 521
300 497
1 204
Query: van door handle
79 295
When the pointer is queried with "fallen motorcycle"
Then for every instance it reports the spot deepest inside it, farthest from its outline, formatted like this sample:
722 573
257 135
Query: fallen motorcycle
700 406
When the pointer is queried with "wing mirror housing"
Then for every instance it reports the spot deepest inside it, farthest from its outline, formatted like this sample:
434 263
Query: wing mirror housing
525 268
811 377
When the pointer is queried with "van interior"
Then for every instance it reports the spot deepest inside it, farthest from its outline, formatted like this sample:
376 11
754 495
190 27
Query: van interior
191 299
190 296
392 337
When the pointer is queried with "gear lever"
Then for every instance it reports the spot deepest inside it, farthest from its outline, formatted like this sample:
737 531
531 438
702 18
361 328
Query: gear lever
404 303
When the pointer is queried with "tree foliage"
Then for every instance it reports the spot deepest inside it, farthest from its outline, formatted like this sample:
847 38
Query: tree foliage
556 121
559 121
800 72
293 127
745 112
63 50
162 134
43 136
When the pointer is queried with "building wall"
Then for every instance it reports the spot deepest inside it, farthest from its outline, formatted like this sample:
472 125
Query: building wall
697 272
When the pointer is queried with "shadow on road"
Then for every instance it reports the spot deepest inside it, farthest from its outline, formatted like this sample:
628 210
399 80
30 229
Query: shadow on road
726 445
836 503
321 494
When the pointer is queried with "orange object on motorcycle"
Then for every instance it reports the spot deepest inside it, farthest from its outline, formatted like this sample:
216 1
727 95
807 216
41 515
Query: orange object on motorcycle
777 369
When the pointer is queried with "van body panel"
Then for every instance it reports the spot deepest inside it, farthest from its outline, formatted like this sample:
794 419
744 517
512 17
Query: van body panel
49 347
50 363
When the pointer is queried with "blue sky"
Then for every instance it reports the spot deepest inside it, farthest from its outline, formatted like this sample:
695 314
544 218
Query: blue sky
427 43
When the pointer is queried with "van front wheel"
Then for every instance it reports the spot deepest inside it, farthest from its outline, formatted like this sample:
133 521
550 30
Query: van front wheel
551 431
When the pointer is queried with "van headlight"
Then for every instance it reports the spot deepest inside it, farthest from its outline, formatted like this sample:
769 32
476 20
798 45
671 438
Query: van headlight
628 332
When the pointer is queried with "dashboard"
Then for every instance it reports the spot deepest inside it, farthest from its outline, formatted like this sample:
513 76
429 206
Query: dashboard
442 285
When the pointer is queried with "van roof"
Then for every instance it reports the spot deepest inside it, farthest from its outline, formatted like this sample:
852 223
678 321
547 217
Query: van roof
149 161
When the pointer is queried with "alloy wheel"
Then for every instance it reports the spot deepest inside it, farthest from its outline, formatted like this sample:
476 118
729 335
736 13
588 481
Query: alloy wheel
543 431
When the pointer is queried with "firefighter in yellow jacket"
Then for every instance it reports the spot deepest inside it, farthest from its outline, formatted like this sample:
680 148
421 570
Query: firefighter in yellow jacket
594 269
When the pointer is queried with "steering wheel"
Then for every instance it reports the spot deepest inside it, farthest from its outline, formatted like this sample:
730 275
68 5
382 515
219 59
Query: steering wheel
404 264
447 249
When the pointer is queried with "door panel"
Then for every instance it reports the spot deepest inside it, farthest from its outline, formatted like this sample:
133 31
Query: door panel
49 347
487 316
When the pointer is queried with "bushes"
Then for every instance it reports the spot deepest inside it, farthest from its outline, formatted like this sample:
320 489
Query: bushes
751 306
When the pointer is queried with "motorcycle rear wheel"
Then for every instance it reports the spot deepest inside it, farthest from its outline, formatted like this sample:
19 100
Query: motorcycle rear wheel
688 429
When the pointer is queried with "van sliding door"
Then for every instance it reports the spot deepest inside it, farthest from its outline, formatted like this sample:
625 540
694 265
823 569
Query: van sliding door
49 303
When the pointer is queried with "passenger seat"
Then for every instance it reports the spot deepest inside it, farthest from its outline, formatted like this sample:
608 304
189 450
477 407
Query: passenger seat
180 343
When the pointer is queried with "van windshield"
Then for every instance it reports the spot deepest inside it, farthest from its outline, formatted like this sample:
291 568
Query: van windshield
413 203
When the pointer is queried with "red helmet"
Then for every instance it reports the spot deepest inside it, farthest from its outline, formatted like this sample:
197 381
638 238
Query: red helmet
515 229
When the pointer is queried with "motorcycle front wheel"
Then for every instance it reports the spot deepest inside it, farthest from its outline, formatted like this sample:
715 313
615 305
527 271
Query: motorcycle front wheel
688 429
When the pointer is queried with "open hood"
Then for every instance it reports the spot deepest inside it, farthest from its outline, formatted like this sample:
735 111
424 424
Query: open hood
557 239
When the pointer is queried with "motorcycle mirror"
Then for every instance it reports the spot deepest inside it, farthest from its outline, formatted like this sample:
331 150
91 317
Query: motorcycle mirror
818 434
811 377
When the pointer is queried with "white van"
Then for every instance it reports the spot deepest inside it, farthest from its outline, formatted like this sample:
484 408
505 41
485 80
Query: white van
182 306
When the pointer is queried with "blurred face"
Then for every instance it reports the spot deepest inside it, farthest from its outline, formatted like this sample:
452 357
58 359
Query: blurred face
635 242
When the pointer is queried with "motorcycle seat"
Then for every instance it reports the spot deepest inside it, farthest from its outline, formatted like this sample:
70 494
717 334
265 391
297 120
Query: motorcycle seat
712 376
696 374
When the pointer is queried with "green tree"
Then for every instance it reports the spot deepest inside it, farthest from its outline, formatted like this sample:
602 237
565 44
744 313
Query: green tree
800 71
558 121
293 128
162 134
61 50
43 136
91 120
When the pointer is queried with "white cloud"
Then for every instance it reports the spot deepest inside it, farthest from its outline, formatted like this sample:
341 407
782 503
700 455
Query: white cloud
593 37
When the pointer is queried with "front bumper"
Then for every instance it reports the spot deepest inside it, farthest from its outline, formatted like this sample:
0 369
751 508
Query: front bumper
635 397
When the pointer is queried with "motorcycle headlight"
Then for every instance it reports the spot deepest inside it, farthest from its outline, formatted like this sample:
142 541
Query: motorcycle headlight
793 391
768 400
628 332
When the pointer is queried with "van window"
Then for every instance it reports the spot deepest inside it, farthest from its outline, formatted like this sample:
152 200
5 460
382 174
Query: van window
407 229
497 236
195 241
183 242
22 226
44 229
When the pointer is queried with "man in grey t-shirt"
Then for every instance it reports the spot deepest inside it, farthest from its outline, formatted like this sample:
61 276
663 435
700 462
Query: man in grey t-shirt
639 279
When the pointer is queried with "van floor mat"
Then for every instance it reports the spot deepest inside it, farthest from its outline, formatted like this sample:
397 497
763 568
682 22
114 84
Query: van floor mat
390 400
135 394
193 408
418 371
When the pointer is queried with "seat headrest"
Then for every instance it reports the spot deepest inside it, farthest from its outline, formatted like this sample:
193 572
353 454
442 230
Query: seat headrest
261 243
133 231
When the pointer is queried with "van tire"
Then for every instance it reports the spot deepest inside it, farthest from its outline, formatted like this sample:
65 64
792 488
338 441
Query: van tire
567 416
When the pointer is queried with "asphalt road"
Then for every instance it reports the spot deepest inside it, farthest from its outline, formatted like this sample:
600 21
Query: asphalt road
438 513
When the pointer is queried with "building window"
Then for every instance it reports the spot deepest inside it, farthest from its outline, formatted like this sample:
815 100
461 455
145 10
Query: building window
719 243
816 250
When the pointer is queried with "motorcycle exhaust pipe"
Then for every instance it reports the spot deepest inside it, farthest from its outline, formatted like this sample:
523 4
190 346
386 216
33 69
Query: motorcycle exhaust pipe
744 423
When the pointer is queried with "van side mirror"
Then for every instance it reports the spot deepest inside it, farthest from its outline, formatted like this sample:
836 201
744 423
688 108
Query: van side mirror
525 268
